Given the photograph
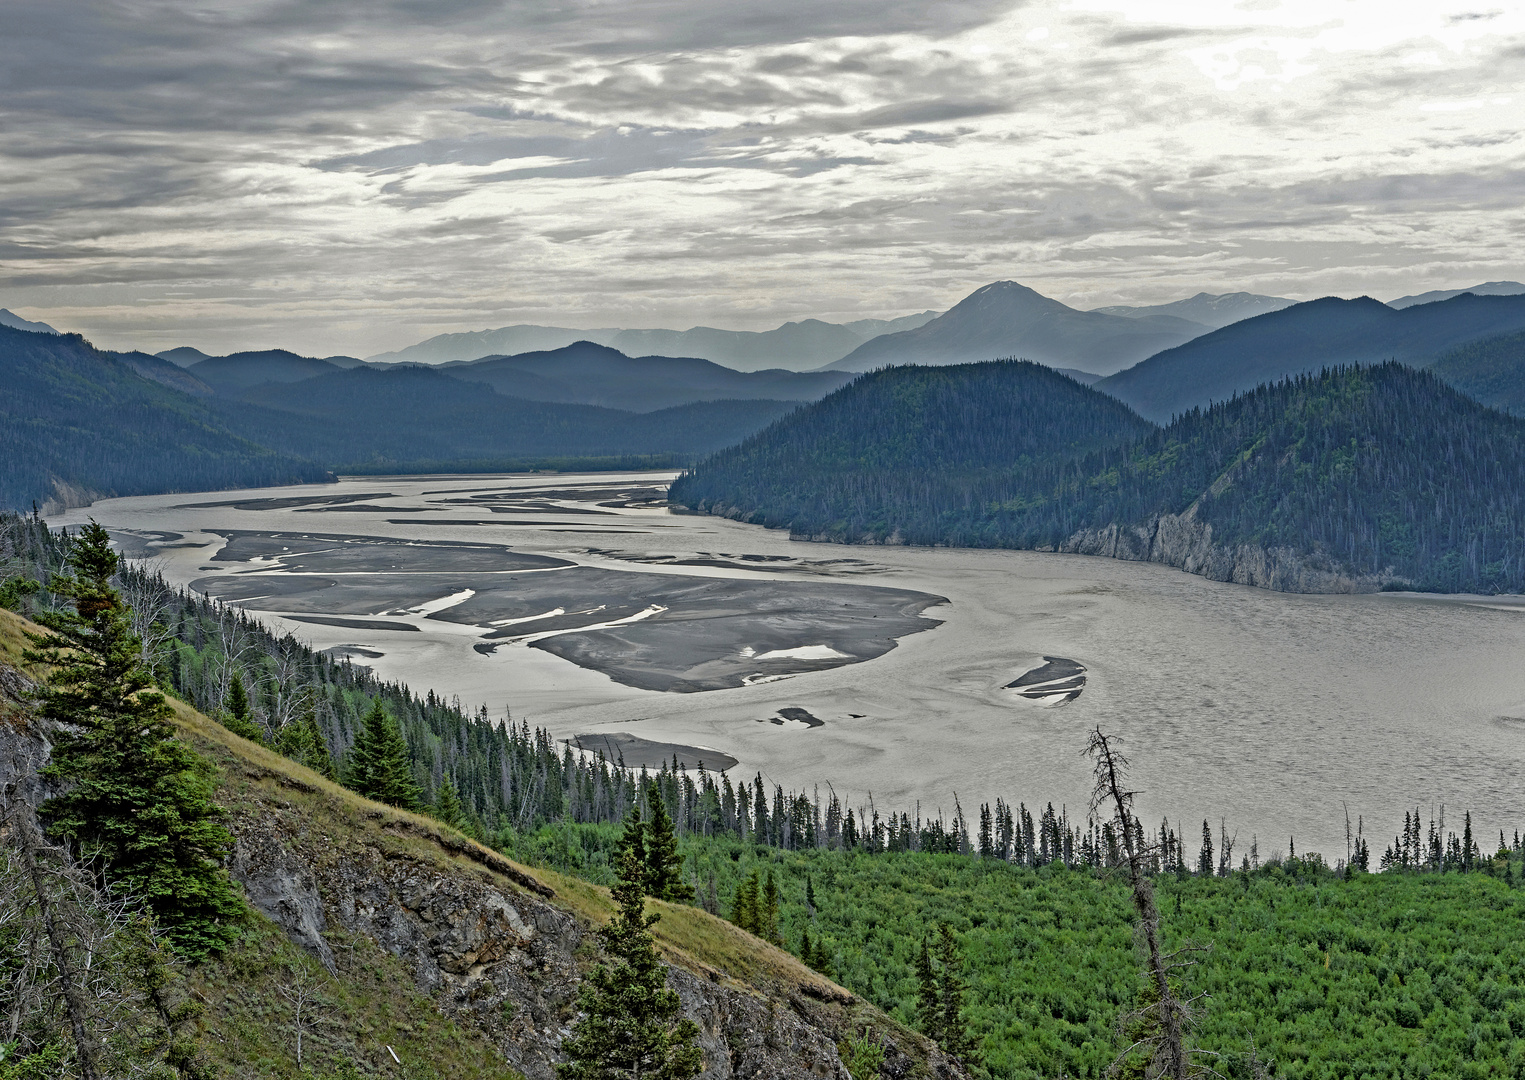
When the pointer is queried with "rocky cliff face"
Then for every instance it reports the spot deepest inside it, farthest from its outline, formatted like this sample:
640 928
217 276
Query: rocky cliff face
502 955
1182 541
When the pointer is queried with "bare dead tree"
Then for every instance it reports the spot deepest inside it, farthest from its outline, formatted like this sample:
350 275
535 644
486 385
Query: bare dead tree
292 695
233 649
304 992
1159 1027
65 948
142 586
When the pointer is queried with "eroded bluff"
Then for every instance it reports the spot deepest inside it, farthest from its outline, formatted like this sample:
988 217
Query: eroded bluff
492 946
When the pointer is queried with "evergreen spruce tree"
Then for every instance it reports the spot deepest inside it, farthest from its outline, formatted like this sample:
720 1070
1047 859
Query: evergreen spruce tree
238 718
136 801
447 804
303 742
767 914
746 903
378 762
807 948
664 866
929 1013
632 841
1205 857
955 1038
630 1028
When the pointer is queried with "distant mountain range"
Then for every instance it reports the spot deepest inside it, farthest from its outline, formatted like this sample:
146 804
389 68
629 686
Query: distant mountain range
794 345
16 322
578 374
1305 338
1487 288
78 423
1005 319
1351 479
1207 309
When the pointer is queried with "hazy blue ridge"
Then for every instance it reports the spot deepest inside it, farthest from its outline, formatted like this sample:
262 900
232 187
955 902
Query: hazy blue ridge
1370 469
1306 338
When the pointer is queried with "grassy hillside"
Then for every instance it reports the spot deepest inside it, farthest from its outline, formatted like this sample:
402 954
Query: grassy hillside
72 415
372 1001
1363 468
1492 371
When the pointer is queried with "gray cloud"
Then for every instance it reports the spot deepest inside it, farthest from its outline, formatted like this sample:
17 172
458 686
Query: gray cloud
349 176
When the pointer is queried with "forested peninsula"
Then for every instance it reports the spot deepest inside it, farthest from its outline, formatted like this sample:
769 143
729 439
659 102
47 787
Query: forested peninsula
1352 479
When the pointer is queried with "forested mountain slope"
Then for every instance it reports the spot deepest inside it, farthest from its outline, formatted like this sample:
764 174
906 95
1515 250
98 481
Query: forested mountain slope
73 417
79 423
416 413
902 450
1305 338
1491 371
1353 478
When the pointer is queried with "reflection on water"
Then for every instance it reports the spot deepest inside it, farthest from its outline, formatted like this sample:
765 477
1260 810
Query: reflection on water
1275 711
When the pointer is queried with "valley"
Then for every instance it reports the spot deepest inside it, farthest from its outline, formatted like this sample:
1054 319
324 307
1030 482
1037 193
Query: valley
846 666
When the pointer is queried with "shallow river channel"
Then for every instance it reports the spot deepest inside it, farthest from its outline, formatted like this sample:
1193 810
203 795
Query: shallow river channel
585 605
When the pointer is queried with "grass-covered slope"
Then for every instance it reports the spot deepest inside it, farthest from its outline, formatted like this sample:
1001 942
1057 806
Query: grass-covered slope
74 416
373 1000
1492 371
912 450
1368 469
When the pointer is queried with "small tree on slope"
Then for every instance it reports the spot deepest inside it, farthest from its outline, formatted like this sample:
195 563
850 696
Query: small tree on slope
664 866
378 762
137 802
629 1029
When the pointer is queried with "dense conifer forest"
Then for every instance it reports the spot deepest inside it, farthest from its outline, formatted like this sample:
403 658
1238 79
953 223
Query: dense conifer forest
71 413
1312 966
1492 371
1371 469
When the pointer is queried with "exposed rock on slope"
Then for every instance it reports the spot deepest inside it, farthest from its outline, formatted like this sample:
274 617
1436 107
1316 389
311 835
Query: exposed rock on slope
492 945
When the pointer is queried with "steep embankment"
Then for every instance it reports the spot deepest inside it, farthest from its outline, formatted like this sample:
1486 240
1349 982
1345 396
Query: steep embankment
464 963
1349 480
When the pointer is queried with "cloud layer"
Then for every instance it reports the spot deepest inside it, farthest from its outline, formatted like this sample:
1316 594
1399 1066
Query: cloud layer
348 176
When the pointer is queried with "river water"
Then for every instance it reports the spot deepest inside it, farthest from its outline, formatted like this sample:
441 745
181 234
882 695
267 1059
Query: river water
577 602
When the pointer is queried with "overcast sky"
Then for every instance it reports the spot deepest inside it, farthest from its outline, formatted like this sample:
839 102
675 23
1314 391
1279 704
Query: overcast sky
346 176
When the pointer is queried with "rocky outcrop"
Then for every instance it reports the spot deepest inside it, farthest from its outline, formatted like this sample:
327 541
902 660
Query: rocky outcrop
1182 541
486 940
508 959
1179 540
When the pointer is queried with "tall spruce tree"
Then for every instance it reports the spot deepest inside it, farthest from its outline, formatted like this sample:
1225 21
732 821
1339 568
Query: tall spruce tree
378 762
447 804
630 1028
929 1013
955 1039
136 801
632 841
663 864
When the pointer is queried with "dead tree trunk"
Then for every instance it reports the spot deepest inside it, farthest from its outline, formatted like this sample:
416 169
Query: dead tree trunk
28 842
1169 1046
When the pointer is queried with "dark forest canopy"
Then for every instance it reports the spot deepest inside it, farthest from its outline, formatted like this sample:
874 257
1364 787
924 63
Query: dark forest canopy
1372 469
